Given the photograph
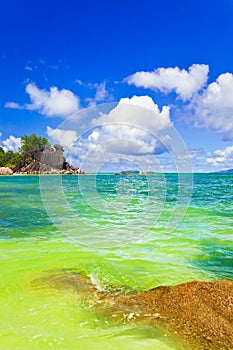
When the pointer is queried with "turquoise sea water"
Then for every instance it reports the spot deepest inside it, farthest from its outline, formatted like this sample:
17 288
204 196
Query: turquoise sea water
125 233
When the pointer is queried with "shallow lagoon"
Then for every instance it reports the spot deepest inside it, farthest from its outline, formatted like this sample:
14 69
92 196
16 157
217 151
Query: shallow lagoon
118 238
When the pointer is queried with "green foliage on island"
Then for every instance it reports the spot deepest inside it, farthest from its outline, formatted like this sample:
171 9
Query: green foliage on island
10 159
31 142
29 160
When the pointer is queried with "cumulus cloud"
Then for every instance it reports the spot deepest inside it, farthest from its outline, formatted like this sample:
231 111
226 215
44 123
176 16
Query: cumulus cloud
222 158
55 102
185 83
64 138
203 161
213 108
12 143
134 128
139 111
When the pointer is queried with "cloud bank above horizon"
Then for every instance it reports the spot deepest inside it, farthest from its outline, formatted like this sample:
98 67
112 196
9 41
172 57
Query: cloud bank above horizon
211 106
205 105
130 129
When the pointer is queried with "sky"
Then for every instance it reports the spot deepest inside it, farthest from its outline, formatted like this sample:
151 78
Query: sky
164 68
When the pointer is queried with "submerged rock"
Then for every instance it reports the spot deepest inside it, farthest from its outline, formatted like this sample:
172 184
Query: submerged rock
5 171
199 314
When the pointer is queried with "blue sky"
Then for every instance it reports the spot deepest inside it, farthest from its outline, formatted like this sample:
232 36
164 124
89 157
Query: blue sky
58 57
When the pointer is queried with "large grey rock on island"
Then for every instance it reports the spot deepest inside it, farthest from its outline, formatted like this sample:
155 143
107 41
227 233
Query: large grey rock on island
45 160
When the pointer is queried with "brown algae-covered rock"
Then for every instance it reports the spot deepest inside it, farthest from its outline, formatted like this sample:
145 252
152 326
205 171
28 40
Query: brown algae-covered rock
199 314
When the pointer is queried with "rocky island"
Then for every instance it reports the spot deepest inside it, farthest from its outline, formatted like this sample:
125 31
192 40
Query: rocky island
35 156
43 160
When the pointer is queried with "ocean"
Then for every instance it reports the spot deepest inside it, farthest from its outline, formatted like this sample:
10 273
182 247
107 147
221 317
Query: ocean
126 233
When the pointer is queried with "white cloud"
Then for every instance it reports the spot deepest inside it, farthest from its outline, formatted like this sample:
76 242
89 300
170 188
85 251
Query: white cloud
131 130
59 103
139 111
222 158
185 83
205 162
12 143
94 136
13 105
62 137
80 82
27 67
213 109
101 94
133 127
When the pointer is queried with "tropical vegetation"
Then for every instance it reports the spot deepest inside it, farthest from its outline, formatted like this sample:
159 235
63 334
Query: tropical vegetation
28 143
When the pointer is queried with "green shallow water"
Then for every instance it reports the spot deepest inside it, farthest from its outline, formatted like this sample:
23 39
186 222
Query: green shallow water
113 229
